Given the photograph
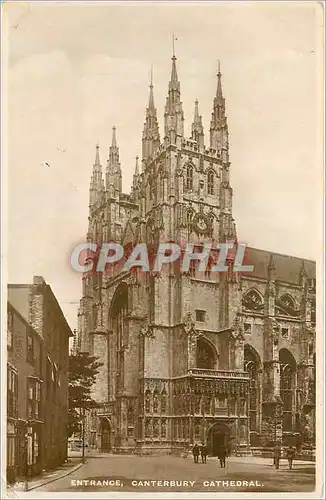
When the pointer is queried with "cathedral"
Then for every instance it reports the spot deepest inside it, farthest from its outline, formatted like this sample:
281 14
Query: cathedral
216 358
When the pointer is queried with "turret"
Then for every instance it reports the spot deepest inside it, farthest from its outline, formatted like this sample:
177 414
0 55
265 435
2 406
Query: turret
96 189
197 130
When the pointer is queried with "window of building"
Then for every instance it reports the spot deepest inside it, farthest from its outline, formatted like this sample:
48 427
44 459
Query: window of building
12 392
155 402
190 178
34 399
200 315
148 401
163 401
30 347
163 428
287 387
11 445
313 312
210 182
10 329
206 356
285 333
252 366
247 328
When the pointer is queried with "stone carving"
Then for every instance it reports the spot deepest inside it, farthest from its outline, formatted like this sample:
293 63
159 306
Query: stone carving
146 329
189 324
236 332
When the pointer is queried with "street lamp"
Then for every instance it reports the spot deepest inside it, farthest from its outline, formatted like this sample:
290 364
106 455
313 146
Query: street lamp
26 461
83 436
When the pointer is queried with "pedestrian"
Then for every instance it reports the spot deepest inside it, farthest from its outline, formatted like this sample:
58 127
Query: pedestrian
195 452
290 455
203 453
277 455
221 454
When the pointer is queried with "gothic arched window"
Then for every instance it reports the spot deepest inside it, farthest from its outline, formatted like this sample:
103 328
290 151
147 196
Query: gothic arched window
287 387
285 305
252 366
155 402
148 401
210 182
118 313
163 401
206 357
190 178
253 301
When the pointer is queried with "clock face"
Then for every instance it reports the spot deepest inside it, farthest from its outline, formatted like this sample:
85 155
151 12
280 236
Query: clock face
200 223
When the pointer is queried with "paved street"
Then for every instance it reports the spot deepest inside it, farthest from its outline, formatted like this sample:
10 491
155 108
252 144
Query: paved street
132 473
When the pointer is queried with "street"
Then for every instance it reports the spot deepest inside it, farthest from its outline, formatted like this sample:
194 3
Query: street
168 473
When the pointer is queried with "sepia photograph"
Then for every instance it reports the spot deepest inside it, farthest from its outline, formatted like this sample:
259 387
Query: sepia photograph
162 249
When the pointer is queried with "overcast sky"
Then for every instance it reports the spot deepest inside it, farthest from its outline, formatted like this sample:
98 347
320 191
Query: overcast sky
77 69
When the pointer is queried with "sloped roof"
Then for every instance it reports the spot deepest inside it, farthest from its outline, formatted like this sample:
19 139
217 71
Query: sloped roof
287 268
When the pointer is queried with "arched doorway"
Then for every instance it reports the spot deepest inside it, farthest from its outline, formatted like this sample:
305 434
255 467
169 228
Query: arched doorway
252 365
105 430
218 436
206 356
288 369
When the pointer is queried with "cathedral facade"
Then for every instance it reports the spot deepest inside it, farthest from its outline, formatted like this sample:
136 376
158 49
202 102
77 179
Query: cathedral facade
192 356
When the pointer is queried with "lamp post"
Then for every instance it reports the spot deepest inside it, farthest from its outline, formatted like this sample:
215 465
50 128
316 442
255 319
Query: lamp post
26 461
83 436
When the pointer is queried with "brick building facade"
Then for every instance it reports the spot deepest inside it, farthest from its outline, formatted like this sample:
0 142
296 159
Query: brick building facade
192 356
37 385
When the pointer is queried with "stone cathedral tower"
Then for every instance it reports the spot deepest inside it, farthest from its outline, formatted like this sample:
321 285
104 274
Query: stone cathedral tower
191 356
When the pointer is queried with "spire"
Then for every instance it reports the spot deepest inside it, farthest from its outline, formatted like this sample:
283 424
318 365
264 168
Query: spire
113 168
151 105
97 183
219 135
135 182
151 135
174 76
97 156
197 131
219 92
114 137
137 166
173 115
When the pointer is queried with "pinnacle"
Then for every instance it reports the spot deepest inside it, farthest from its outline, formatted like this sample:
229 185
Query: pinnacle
114 138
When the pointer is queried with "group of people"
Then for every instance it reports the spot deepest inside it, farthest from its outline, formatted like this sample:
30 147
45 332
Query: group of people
201 451
290 454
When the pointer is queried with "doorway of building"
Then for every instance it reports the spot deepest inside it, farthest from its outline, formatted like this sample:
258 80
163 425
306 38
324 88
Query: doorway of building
105 435
218 436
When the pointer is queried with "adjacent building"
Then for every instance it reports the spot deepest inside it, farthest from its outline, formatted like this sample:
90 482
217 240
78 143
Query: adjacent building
192 356
37 385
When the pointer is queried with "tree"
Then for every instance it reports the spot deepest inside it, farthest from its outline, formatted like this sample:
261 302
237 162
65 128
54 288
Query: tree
83 369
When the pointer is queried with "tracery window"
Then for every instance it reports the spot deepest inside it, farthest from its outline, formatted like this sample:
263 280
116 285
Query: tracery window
190 178
210 182
287 387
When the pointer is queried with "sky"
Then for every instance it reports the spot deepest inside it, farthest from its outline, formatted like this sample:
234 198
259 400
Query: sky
74 70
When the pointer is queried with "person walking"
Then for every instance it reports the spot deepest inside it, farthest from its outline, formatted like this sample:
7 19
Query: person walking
195 452
290 455
277 455
222 456
203 453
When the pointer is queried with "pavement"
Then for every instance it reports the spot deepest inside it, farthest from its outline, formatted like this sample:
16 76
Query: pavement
72 465
131 473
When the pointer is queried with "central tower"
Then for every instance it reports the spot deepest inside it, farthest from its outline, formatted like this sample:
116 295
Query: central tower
170 342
